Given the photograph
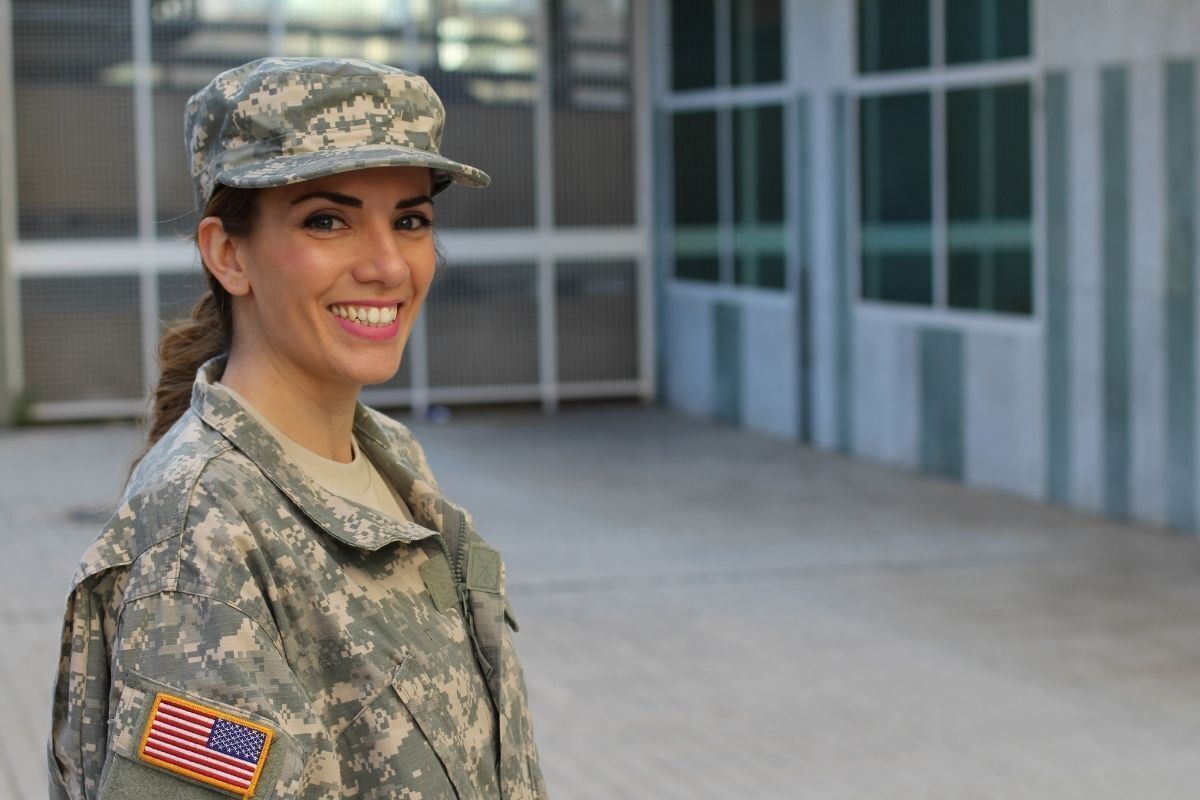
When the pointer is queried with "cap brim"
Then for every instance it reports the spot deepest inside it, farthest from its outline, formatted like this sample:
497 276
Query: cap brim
284 170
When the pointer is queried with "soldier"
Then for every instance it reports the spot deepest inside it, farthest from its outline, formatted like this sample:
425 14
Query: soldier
284 605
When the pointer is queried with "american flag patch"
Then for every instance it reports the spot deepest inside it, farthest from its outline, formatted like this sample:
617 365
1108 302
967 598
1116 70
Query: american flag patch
205 744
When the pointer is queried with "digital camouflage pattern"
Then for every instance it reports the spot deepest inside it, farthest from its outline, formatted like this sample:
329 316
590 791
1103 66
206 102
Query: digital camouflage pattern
230 579
276 121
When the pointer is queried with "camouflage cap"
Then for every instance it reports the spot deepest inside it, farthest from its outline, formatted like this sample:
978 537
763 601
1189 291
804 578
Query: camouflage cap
276 121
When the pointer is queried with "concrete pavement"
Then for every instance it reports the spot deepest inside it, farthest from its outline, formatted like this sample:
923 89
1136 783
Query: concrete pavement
705 614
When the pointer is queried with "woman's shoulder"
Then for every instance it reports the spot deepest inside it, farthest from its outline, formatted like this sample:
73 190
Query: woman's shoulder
173 492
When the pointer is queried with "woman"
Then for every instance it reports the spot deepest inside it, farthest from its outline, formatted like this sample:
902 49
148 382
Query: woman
284 605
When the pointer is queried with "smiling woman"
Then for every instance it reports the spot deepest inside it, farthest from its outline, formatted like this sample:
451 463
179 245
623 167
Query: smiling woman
284 605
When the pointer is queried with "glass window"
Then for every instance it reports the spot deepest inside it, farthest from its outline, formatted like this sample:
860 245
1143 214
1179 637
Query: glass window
484 69
893 34
93 358
694 164
989 198
986 30
72 63
482 321
758 196
190 43
597 320
693 44
896 198
756 33
594 150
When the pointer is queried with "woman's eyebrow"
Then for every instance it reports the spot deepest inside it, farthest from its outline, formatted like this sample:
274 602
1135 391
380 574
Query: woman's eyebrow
336 197
415 201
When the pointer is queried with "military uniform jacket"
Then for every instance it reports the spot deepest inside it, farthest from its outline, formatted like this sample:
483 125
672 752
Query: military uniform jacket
328 651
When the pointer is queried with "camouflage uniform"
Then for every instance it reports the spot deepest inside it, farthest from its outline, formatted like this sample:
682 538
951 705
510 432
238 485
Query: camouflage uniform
363 646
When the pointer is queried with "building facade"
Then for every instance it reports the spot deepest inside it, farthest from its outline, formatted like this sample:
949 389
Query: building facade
547 293
956 236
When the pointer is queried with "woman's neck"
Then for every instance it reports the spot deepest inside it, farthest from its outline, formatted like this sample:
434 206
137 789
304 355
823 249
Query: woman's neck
318 416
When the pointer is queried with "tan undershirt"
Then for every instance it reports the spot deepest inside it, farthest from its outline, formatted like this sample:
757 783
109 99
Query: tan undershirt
358 480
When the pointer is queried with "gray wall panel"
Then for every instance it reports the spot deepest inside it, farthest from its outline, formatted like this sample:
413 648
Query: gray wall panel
1115 174
1181 294
941 402
689 345
770 381
1147 272
1004 412
886 376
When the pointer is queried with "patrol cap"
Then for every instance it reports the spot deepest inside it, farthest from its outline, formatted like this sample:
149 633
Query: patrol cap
276 121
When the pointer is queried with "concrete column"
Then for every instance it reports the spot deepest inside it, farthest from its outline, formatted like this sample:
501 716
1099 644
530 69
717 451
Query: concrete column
8 215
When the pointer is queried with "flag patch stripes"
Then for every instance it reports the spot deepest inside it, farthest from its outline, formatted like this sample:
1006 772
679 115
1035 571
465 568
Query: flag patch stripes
205 744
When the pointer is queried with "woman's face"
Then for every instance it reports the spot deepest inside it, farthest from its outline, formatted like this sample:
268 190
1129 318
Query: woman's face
337 269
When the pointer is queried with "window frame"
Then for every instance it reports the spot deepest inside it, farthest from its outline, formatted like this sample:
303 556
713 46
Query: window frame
938 79
724 99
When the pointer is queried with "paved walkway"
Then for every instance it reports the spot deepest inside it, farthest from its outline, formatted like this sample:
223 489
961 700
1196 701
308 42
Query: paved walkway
709 615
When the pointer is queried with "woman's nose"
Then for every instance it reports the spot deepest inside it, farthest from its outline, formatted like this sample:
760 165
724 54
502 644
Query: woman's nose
384 257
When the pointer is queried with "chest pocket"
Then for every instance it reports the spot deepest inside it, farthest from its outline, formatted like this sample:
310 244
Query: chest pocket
404 741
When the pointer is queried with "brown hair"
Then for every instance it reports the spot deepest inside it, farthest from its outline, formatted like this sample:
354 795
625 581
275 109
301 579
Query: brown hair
208 332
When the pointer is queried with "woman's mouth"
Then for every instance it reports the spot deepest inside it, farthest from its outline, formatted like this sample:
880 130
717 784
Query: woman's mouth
367 316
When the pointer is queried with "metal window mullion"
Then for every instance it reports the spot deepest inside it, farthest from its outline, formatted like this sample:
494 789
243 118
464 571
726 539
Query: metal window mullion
147 202
276 27
937 163
852 155
642 87
939 209
703 99
793 204
937 34
412 40
872 204
12 377
1038 188
725 195
416 350
987 189
725 190
543 142
965 76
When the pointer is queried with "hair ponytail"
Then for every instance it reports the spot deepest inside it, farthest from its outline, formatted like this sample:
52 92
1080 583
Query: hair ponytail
185 345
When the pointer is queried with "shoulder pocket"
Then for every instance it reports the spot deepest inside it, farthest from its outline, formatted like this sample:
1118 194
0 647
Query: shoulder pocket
167 743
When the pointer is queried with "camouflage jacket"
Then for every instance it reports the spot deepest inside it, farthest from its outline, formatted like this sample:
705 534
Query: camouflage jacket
230 599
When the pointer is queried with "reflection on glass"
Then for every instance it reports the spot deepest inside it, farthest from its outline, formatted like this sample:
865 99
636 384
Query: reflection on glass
596 320
693 44
896 198
986 30
756 34
758 196
594 150
893 34
694 151
989 198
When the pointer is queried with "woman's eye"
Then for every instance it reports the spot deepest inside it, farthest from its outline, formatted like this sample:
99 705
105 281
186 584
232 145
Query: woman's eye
324 222
413 222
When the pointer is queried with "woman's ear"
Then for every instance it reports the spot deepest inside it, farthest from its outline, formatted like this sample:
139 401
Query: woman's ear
220 252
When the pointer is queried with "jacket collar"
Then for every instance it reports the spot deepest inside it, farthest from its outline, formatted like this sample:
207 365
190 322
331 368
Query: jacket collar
344 520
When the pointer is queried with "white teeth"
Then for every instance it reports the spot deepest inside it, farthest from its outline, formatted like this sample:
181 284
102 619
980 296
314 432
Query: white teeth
370 316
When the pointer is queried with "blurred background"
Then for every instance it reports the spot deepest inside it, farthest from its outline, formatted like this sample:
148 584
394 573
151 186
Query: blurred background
957 237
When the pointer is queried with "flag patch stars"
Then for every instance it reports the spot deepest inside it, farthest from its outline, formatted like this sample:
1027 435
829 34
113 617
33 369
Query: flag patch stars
205 744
